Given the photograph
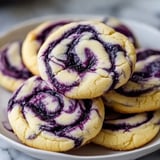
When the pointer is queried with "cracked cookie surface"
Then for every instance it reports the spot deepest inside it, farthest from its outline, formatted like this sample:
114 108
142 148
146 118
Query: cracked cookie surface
45 119
86 59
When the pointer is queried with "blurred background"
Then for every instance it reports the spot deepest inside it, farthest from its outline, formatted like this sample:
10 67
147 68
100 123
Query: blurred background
15 11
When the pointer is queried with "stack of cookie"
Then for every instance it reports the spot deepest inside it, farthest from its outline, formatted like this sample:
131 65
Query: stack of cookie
138 102
79 82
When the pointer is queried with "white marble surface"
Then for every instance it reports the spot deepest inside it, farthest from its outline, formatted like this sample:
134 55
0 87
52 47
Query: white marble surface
144 11
7 153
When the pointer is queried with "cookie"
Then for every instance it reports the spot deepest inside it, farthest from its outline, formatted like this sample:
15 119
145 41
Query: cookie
86 59
12 69
33 42
128 131
122 28
45 119
141 93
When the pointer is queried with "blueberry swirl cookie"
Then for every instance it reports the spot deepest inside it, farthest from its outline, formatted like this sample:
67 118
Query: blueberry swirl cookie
12 69
141 93
122 28
33 42
128 131
86 59
45 119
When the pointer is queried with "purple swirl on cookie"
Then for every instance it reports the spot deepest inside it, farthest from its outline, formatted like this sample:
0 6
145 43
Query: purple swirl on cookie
126 122
46 31
151 69
11 63
52 108
121 28
74 63
146 75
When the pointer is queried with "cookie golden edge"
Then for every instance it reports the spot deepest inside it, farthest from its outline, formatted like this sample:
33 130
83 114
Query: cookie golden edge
123 104
125 141
50 142
30 48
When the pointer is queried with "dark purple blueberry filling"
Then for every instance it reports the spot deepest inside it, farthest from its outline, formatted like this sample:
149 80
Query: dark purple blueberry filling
134 93
126 126
150 70
39 110
119 116
140 76
153 69
43 35
121 28
73 62
8 69
113 50
61 132
144 54
124 30
62 88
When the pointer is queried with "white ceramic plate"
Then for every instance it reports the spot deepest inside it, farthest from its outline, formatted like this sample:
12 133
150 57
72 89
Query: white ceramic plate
147 37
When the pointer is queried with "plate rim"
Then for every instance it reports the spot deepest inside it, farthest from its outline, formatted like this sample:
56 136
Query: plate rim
130 152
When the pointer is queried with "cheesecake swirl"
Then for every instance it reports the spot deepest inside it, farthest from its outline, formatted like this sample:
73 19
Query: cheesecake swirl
146 77
126 122
11 63
141 92
85 52
60 119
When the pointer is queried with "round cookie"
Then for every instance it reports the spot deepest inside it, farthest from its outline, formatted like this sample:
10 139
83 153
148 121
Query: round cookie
122 28
85 59
128 131
33 42
45 119
141 93
12 70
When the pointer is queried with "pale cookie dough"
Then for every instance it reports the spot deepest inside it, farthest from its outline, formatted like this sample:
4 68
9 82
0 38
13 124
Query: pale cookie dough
141 93
12 70
43 118
122 28
86 59
34 40
128 131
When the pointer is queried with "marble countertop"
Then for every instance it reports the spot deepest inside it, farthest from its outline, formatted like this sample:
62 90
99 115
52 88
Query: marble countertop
16 12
